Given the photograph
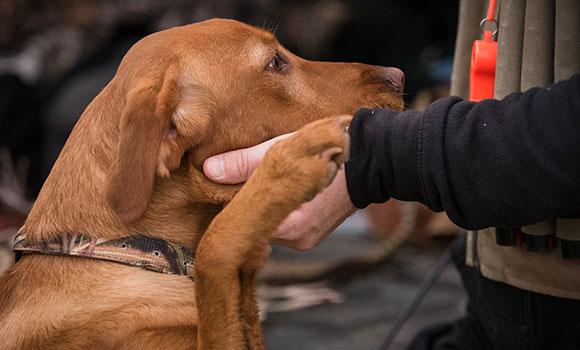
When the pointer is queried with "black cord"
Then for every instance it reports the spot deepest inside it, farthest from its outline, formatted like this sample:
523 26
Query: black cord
406 313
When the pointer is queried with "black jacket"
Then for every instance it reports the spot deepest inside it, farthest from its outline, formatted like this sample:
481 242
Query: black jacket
510 162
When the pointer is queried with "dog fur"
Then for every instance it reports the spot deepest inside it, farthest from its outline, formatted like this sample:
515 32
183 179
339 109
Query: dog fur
133 164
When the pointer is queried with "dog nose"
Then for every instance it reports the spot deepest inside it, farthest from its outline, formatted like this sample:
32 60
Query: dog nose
393 77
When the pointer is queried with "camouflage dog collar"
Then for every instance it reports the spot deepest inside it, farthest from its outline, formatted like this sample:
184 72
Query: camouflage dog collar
149 253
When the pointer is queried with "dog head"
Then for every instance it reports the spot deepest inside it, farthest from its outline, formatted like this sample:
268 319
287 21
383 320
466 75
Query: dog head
194 91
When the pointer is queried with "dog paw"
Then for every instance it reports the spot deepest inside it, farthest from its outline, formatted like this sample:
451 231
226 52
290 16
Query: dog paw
309 160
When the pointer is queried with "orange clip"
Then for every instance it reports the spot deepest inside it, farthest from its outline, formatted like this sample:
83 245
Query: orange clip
482 72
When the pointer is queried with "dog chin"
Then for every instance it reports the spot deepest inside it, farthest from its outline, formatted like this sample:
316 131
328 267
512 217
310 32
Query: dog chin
225 195
207 191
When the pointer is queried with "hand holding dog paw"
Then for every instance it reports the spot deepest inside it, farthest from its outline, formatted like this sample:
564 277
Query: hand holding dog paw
309 224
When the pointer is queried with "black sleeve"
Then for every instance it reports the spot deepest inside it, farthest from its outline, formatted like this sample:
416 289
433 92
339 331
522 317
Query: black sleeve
495 163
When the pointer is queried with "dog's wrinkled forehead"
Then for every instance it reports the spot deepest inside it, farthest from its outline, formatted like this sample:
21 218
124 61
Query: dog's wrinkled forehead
222 54
208 44
225 29
220 33
232 40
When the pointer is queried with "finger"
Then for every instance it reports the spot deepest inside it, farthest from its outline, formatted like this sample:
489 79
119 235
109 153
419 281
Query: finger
236 166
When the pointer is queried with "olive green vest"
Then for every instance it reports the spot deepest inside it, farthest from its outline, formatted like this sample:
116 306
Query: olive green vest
539 44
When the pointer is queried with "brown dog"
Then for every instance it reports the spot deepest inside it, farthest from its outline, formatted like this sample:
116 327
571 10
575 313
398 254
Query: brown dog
133 165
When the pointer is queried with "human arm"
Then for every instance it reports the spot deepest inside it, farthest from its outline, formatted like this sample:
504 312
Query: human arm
495 163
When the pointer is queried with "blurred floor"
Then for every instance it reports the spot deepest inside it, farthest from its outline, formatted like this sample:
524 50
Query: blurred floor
371 302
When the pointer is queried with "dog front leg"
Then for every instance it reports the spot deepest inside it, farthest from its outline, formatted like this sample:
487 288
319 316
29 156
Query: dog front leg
224 284
250 312
234 245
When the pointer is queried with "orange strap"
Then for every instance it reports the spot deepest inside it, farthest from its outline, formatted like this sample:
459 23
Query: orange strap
483 59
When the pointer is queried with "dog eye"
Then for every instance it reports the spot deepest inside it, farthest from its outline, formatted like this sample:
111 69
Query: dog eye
277 64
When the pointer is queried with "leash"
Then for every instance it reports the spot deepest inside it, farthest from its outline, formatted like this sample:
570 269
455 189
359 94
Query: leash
408 311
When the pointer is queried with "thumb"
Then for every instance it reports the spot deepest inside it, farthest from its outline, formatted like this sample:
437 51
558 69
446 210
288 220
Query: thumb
236 166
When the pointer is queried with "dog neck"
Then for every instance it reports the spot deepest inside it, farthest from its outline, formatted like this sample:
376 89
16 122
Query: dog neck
169 216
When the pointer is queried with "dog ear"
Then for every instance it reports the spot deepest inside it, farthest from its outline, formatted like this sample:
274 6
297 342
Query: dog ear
144 120
191 123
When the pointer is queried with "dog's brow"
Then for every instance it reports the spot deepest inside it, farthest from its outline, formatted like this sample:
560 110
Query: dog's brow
267 38
260 51
267 34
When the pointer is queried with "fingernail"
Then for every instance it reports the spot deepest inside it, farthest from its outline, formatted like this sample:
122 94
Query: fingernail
215 168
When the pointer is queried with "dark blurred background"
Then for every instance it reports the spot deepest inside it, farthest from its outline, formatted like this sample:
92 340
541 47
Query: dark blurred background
56 55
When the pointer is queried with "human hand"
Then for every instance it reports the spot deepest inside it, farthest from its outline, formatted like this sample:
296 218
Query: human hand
310 223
